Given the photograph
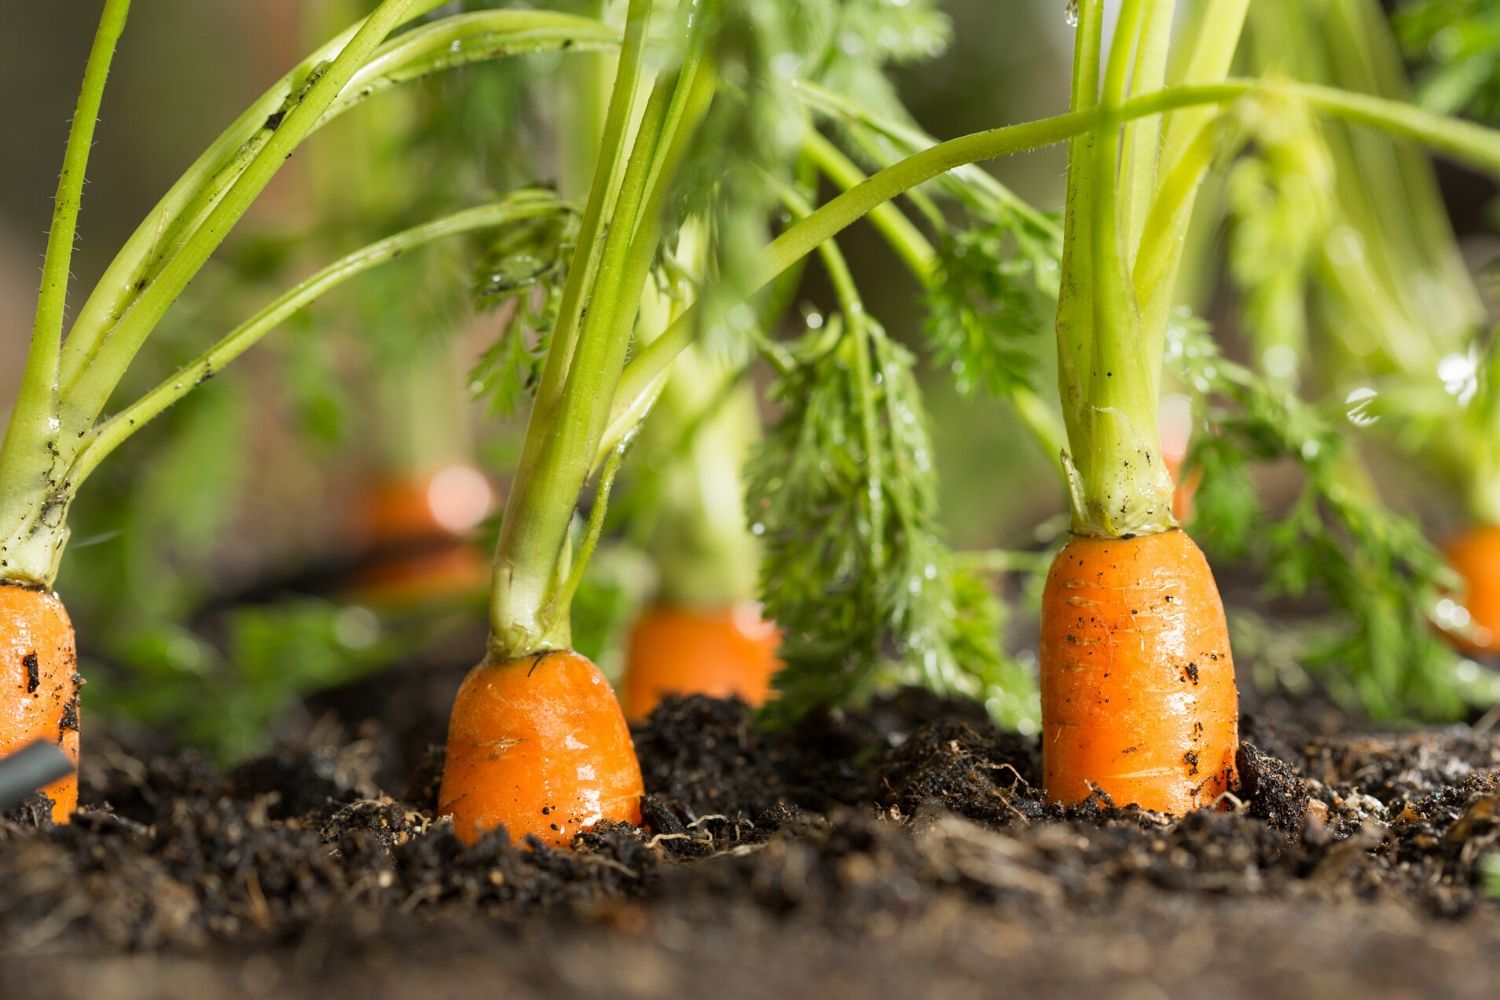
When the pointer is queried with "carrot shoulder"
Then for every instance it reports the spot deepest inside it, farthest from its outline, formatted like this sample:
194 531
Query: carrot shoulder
1138 689
539 746
39 682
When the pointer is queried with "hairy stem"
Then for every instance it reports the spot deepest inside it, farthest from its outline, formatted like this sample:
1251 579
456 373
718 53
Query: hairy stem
85 399
113 432
29 453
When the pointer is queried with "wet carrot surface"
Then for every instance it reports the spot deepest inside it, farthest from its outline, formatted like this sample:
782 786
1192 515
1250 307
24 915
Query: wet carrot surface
538 745
1138 688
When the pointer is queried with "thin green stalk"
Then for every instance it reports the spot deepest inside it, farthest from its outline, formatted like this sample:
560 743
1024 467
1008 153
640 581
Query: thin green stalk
1168 219
1211 38
1143 136
562 601
86 398
597 206
834 105
26 456
525 614
905 239
126 275
113 432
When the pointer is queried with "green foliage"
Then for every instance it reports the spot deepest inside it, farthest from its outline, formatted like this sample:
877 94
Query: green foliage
870 35
1376 572
993 289
844 494
1460 39
227 700
745 154
1281 205
521 267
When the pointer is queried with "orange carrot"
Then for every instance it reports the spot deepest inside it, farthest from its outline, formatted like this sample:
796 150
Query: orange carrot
1475 556
39 682
539 746
1138 690
415 531
723 652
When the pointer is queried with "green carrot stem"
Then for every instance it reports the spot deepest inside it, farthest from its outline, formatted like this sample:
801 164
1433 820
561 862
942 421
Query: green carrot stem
27 456
86 397
525 612
1143 136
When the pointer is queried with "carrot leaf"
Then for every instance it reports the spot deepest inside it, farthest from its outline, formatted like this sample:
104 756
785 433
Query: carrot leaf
520 268
855 571
992 290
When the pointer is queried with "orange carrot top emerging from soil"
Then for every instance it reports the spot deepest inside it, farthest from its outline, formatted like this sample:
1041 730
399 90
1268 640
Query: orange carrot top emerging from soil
39 682
1138 687
1138 692
719 652
538 745
1475 556
704 633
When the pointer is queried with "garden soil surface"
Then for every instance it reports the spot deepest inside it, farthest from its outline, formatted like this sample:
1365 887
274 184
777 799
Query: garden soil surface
899 851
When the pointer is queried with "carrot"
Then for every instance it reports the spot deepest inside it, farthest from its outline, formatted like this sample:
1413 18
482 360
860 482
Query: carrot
414 530
1475 556
538 745
39 682
1138 690
720 652
537 742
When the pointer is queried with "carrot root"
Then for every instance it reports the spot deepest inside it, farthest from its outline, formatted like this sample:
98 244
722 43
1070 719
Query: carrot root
39 682
1138 690
539 746
721 652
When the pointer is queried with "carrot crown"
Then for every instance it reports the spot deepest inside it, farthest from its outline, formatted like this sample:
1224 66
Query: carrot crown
1131 186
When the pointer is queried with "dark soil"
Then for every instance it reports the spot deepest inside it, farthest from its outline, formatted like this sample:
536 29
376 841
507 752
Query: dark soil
901 851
